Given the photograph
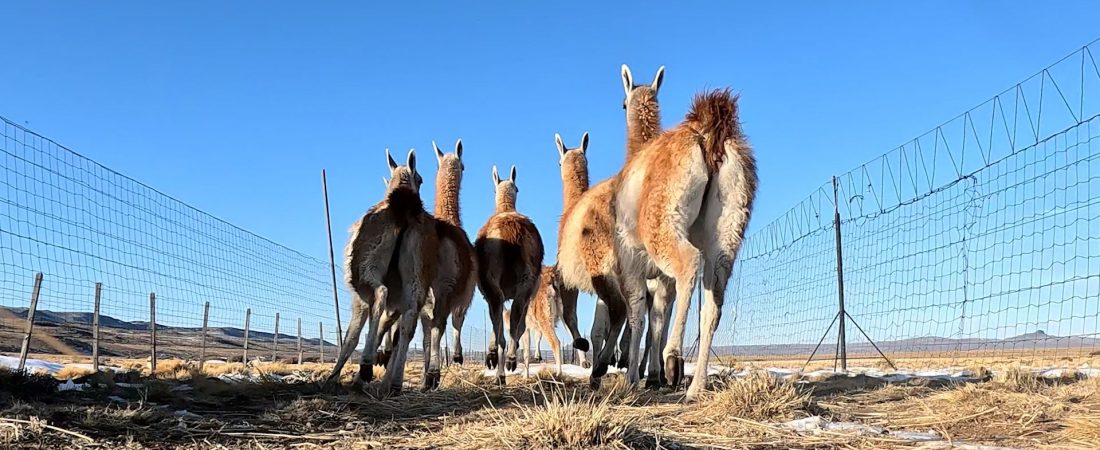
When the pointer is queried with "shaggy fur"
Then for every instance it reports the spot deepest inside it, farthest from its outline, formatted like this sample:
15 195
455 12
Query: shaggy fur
543 314
687 195
587 256
453 287
509 257
389 260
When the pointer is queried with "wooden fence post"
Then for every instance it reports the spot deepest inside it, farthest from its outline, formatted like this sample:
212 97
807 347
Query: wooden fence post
205 322
247 318
153 333
30 321
95 328
299 341
275 340
321 337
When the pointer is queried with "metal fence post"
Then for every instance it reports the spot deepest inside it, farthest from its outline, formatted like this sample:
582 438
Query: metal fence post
152 333
332 266
205 322
275 340
247 319
842 341
30 321
95 328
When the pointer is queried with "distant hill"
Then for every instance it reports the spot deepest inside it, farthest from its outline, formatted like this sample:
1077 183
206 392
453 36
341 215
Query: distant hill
130 339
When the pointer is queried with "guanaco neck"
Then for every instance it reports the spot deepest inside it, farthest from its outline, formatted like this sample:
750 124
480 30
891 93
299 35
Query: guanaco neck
574 182
505 201
447 185
643 120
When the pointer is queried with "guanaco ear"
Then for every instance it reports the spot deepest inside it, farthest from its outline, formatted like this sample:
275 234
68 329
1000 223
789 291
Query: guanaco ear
628 80
412 160
438 153
584 142
496 178
513 173
560 144
658 79
458 148
393 164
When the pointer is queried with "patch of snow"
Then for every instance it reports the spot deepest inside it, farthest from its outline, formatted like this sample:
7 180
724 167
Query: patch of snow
68 385
117 399
817 424
32 365
186 414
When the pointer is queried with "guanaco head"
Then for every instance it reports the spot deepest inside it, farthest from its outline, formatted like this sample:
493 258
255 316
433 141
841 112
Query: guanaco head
451 164
642 92
506 191
574 169
404 176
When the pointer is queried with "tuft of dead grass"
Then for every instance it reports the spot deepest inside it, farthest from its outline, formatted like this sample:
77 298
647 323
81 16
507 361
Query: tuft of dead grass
70 372
758 397
561 420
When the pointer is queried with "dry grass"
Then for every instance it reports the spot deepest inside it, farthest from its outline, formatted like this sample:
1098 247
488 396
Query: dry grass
70 372
757 397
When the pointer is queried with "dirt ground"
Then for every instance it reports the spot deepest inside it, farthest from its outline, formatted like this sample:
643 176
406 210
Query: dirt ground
180 408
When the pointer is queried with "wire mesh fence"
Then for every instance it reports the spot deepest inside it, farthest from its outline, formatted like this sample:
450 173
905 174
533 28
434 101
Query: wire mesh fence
981 236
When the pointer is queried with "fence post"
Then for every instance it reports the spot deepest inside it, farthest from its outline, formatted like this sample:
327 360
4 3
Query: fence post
95 328
842 314
30 321
321 337
247 319
152 333
332 265
299 341
275 340
205 322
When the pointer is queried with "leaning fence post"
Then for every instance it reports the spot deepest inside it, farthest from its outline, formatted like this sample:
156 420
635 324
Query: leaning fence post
842 340
205 322
299 341
247 318
95 328
30 321
152 333
321 337
275 340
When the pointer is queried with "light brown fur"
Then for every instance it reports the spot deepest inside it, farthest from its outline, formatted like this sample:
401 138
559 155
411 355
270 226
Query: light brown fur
389 261
453 286
543 314
587 256
689 194
509 257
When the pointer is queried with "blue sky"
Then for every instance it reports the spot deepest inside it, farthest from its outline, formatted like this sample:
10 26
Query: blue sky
235 110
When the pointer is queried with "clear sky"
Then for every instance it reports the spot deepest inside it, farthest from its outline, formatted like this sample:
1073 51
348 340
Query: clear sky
236 108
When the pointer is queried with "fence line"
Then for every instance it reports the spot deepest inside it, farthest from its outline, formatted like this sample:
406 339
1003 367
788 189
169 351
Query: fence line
980 236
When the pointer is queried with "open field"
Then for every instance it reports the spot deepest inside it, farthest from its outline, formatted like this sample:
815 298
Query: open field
282 406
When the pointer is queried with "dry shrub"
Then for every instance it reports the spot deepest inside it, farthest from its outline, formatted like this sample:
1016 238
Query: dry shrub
562 420
111 418
20 384
214 370
71 372
758 397
1018 380
174 369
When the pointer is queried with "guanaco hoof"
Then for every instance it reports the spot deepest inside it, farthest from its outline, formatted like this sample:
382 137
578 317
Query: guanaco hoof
510 363
491 360
594 382
624 361
382 358
457 359
395 389
431 381
581 344
653 383
599 370
674 368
